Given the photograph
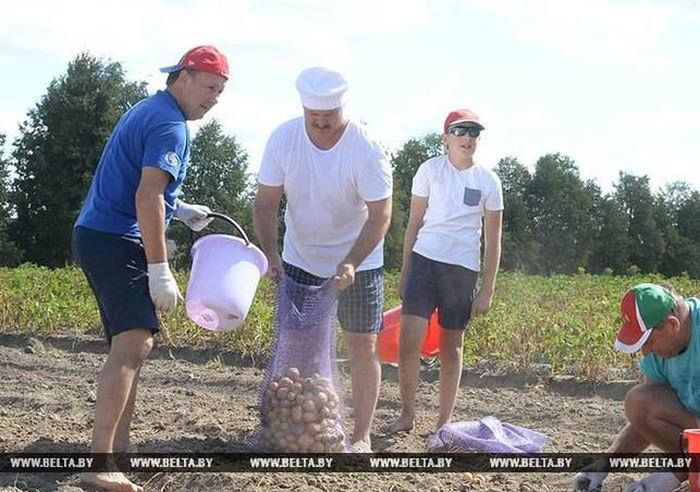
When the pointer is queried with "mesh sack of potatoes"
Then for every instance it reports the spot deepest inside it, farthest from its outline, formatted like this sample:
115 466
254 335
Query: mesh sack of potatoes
301 408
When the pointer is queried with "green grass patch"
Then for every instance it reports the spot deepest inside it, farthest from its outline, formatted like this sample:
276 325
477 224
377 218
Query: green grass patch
565 321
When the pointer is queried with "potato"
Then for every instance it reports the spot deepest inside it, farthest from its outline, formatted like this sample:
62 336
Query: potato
282 392
309 406
292 373
296 414
305 441
301 414
322 383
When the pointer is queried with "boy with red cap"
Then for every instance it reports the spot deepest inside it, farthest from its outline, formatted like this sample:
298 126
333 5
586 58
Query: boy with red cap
119 237
451 196
666 328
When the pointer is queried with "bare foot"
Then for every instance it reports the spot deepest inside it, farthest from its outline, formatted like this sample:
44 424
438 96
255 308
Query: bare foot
402 424
111 481
361 447
441 423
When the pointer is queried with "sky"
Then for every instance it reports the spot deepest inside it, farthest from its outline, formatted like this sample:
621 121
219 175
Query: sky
612 84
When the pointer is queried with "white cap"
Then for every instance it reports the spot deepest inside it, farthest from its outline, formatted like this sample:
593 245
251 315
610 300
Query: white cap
321 88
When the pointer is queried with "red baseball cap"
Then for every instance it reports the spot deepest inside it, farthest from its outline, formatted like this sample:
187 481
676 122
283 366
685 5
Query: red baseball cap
203 58
462 116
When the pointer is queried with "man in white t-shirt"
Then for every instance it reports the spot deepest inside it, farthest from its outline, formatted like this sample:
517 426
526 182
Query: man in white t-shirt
337 183
451 194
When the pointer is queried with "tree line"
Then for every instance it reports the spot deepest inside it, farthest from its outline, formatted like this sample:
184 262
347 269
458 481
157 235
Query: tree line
553 221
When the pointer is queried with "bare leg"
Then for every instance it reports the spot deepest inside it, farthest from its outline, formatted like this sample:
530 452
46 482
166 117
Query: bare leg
366 375
122 435
412 333
451 347
658 416
115 384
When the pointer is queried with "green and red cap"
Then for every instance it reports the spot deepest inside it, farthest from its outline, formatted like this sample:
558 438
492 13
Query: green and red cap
643 308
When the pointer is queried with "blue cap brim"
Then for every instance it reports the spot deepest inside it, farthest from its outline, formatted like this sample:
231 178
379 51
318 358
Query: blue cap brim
171 68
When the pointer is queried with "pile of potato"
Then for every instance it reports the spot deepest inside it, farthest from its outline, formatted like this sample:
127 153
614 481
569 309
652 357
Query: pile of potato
302 415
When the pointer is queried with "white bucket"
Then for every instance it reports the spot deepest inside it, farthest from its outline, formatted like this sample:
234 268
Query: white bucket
223 280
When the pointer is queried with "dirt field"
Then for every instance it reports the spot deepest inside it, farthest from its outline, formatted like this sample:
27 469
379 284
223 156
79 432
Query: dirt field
192 400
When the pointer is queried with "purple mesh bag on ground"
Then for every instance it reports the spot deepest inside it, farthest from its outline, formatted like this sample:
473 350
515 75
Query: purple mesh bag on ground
487 435
301 402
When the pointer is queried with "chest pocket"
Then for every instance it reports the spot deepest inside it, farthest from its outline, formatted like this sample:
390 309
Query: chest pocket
472 197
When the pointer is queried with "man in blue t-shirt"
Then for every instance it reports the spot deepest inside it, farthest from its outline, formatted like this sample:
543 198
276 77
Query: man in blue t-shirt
666 328
119 237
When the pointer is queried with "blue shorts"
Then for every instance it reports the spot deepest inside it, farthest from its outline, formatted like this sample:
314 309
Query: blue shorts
115 267
360 306
433 284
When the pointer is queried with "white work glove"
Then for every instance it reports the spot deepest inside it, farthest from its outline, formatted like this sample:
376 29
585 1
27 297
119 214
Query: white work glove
162 286
588 481
194 216
656 482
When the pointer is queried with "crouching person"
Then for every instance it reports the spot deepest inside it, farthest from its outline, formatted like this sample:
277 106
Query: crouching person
666 328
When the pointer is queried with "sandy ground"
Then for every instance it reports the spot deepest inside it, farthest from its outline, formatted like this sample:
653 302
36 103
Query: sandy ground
199 400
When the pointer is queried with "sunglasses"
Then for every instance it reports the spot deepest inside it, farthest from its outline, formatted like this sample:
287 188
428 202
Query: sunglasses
460 131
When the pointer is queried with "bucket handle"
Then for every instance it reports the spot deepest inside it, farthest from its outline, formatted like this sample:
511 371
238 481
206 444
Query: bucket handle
235 224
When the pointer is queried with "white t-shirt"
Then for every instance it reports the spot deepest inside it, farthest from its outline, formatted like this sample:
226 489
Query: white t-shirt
451 230
326 192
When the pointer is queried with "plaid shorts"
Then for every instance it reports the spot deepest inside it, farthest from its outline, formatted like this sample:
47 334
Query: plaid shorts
360 306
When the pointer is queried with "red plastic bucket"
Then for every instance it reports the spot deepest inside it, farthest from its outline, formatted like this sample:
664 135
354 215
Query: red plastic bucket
691 445
388 338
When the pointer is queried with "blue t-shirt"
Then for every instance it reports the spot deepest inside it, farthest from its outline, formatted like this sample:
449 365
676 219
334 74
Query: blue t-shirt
152 133
682 372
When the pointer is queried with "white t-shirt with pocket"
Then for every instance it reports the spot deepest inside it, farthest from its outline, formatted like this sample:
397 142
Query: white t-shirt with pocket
457 199
326 191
